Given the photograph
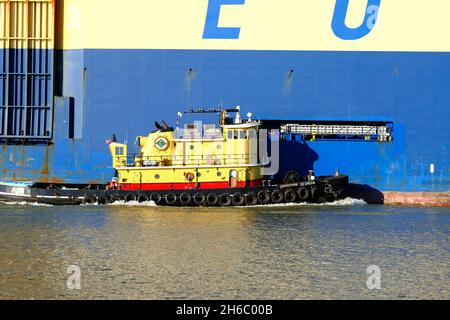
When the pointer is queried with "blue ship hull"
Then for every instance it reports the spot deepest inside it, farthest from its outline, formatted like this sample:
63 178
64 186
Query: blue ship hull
101 92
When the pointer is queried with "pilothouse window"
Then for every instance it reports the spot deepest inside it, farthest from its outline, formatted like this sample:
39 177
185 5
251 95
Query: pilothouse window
210 131
119 151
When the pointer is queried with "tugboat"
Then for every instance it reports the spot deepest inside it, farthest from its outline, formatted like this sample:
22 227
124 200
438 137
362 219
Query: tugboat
196 165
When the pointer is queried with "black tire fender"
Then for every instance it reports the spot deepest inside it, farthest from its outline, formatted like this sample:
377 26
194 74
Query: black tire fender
199 199
237 199
156 198
102 200
224 200
303 193
251 199
263 197
212 199
314 194
130 197
89 200
289 195
185 199
276 196
171 199
115 198
142 198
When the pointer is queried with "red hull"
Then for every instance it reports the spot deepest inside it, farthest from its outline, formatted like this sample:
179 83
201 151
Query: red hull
187 186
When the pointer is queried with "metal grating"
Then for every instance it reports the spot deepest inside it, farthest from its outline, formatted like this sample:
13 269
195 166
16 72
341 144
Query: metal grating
380 133
26 70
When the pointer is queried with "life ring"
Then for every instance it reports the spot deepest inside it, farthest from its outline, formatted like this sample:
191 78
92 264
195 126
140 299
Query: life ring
212 199
237 199
276 196
185 199
251 199
189 176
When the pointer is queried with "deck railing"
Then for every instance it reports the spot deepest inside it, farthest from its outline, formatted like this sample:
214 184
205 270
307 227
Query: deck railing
132 159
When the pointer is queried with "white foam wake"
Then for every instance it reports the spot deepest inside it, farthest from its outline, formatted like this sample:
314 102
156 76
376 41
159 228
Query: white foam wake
346 202
24 203
342 202
133 204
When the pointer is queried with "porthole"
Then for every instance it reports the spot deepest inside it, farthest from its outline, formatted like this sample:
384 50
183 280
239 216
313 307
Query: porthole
191 147
157 176
219 146
219 174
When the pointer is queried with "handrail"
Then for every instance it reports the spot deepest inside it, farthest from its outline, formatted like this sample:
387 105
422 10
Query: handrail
161 161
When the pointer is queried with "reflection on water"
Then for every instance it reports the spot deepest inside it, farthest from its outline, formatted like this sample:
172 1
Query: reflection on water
285 252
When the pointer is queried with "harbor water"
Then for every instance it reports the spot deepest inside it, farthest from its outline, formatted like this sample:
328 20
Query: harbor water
124 251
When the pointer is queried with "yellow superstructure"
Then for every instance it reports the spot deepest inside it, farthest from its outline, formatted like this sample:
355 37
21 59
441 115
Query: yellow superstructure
198 156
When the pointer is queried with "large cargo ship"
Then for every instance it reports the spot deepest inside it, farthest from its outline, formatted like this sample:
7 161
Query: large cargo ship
74 72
